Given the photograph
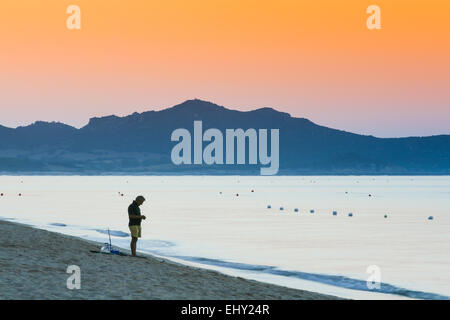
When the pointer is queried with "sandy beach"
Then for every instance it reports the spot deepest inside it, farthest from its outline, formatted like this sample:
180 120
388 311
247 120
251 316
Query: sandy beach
33 265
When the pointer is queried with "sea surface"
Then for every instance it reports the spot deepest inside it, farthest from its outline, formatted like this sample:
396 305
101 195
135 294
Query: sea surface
280 229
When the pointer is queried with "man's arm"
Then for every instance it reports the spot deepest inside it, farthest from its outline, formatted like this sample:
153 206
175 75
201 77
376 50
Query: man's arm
132 216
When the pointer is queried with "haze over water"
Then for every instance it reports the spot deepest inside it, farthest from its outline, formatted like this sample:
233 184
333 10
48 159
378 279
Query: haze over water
218 222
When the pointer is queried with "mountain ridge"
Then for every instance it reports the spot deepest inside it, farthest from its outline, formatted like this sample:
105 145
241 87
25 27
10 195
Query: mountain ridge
96 119
140 143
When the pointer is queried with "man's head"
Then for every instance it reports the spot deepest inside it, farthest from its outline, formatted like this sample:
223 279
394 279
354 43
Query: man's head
140 200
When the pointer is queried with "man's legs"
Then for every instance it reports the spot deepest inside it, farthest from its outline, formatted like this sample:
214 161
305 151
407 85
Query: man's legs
133 246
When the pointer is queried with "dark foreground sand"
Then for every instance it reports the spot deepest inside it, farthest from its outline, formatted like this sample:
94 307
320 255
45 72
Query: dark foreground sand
33 265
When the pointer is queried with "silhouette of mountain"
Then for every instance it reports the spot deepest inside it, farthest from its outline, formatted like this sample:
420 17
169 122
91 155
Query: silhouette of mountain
140 144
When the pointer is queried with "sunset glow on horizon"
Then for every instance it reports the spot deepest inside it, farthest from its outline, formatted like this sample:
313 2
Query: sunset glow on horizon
312 59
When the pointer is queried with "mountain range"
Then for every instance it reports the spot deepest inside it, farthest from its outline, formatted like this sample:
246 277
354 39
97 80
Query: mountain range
140 144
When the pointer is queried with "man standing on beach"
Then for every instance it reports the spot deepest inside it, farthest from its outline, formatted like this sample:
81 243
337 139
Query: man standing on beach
134 213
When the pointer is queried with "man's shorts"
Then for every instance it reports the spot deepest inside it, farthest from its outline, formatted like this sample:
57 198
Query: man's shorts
135 231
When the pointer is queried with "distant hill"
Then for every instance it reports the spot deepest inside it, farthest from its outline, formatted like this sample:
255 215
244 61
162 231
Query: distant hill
140 144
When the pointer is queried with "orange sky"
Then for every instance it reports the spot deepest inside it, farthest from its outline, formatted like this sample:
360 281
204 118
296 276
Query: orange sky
313 59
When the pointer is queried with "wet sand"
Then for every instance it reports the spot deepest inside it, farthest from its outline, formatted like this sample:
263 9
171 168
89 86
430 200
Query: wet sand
34 262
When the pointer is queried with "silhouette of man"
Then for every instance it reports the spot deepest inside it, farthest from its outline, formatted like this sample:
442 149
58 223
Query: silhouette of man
134 214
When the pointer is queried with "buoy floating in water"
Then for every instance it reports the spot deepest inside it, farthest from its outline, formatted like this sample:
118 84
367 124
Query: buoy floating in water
430 218
334 213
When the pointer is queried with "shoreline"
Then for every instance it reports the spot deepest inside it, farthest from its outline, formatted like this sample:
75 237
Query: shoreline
34 262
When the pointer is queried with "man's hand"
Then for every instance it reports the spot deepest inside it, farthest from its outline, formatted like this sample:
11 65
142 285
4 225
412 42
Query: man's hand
144 217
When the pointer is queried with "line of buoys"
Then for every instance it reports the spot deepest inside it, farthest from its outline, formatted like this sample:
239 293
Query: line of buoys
335 213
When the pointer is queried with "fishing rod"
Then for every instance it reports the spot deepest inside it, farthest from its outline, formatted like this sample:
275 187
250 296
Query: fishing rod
110 245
